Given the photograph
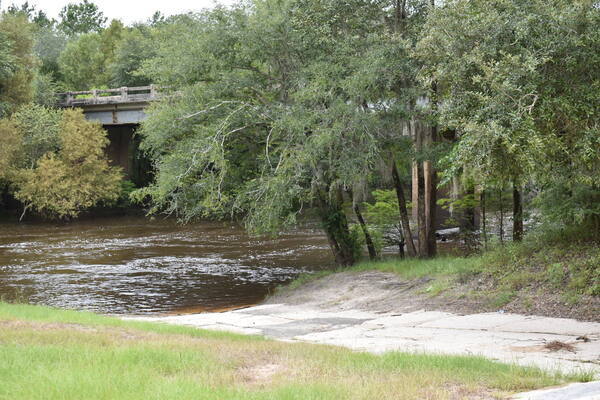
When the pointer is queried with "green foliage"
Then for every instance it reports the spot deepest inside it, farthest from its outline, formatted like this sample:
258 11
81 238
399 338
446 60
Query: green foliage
464 202
130 53
11 149
81 18
39 129
49 44
46 89
17 63
268 120
38 17
516 84
82 62
54 162
87 60
7 60
384 217
124 200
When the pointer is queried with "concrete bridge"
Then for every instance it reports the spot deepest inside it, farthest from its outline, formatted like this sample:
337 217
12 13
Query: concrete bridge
120 111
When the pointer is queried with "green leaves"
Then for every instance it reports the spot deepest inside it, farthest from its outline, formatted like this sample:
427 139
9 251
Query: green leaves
519 84
54 162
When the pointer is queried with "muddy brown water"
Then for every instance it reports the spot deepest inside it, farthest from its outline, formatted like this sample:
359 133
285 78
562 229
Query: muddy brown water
133 265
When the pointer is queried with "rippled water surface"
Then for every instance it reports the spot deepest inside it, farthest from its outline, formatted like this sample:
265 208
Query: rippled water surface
132 265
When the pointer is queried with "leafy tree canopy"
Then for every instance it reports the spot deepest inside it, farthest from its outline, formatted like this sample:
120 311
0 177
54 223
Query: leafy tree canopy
517 86
54 162
17 62
80 18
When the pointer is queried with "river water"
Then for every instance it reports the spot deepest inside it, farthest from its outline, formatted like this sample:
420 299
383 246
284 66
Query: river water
133 265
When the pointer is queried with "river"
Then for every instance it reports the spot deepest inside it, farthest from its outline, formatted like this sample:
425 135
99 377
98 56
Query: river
134 265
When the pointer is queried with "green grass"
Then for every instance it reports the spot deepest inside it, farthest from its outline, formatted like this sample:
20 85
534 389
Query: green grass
407 269
56 354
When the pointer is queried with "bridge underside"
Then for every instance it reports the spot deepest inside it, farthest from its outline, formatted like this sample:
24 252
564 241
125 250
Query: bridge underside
120 122
123 151
120 111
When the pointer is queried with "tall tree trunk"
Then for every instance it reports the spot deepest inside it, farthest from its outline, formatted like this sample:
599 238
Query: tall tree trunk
432 179
420 172
365 230
431 213
400 14
501 214
401 248
484 220
468 215
404 221
421 220
336 228
517 214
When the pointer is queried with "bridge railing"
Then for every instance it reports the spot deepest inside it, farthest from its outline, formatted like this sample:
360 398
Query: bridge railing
109 96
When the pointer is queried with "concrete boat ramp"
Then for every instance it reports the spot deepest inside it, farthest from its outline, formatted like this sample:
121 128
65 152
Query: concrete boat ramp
550 343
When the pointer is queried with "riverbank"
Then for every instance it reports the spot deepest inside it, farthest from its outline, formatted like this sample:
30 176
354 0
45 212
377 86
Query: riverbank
543 278
447 305
56 354
378 312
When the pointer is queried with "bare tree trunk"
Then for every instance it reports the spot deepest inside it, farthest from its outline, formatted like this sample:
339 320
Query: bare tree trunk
431 214
432 179
501 215
368 239
483 220
421 218
399 14
336 228
404 221
401 250
468 214
517 214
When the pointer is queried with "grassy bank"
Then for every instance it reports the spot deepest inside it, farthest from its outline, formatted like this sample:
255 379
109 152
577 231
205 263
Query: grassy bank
546 275
54 354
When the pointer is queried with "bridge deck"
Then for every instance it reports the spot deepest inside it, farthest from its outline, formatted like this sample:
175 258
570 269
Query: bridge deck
141 94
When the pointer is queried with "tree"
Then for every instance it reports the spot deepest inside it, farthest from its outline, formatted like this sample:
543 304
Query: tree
38 128
86 61
265 124
80 18
384 216
518 85
9 151
130 53
81 64
49 44
17 62
55 162
388 82
110 39
7 61
38 17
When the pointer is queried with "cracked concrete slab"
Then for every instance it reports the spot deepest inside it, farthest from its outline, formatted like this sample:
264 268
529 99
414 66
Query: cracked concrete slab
485 321
576 391
560 326
501 336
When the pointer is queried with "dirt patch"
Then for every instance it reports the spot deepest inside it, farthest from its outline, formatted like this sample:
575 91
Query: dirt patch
204 309
260 374
45 326
461 392
556 345
550 347
383 292
121 333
